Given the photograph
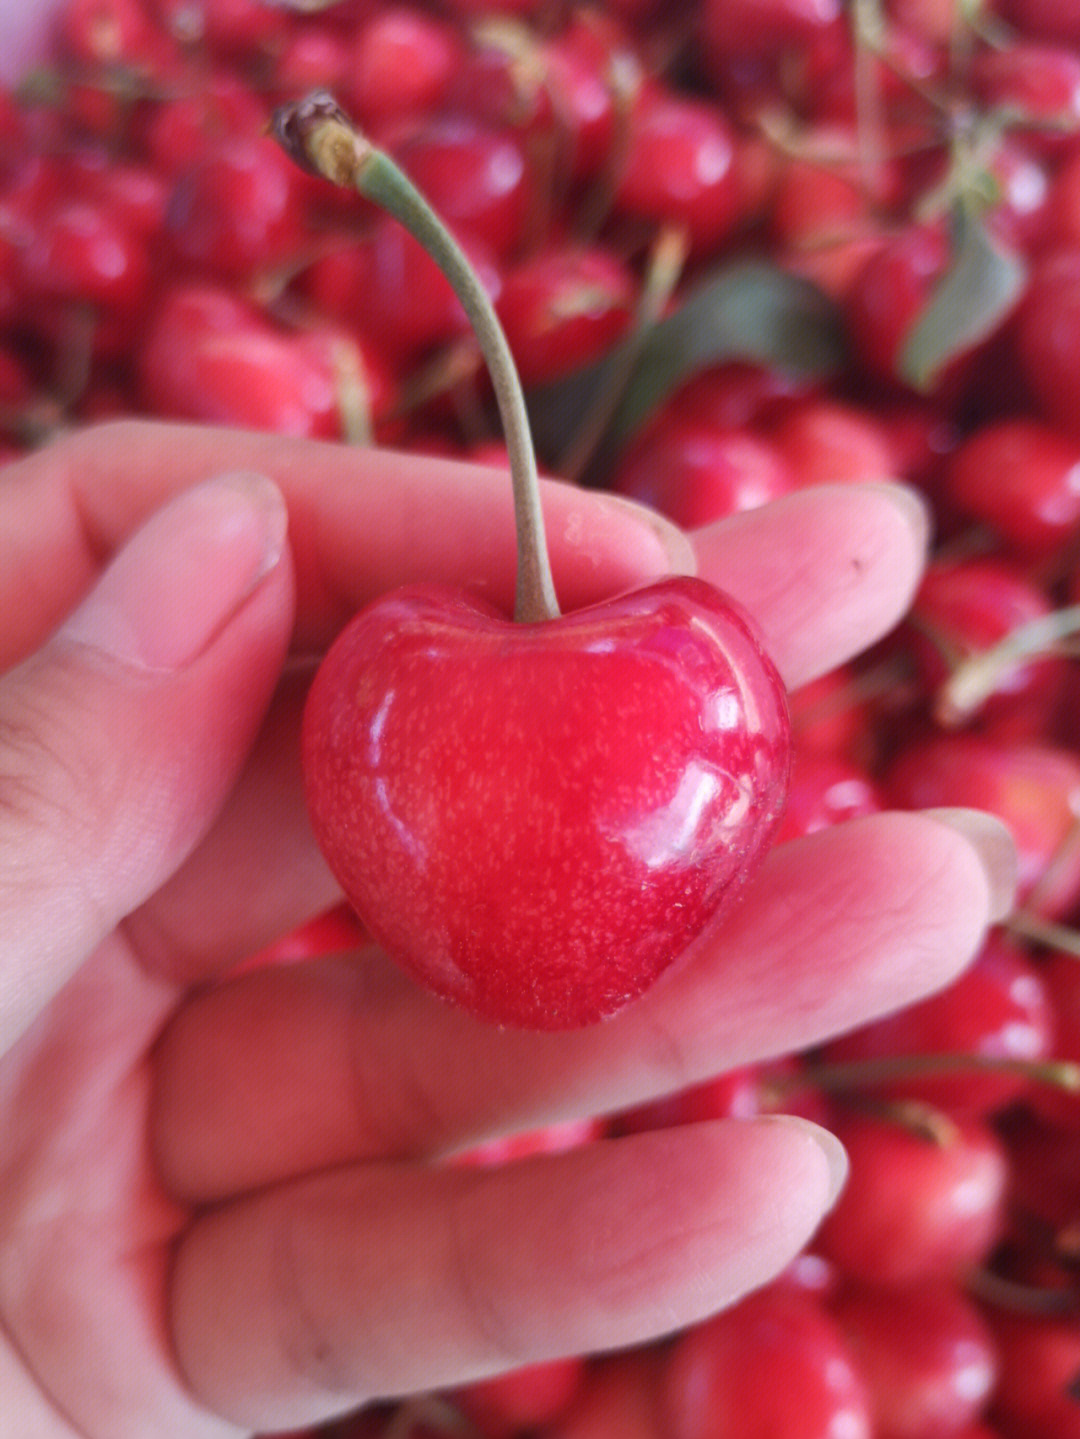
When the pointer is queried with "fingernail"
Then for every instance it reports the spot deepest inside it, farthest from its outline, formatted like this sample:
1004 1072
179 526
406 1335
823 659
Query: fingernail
184 574
681 558
911 505
834 1152
993 842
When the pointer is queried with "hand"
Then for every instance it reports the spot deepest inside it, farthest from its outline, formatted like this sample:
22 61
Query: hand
218 1210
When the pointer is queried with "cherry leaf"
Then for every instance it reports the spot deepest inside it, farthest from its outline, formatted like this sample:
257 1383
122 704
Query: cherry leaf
976 293
750 310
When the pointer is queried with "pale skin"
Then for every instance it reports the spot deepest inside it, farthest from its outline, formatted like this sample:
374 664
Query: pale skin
217 1208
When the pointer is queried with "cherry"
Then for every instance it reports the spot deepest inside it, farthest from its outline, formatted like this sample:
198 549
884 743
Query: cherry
239 210
1061 975
1021 477
1034 788
563 307
550 1139
962 609
335 931
635 767
926 1354
1046 19
1047 327
208 355
636 752
1036 1397
722 1377
618 1400
763 27
915 1209
827 441
679 167
475 177
825 789
696 471
998 1009
525 1398
1039 81
403 64
886 298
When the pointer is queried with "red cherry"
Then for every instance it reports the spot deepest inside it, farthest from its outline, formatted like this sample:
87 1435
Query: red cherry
523 1399
334 932
915 1210
828 717
1037 80
239 210
619 1400
763 27
696 471
1060 974
827 441
207 355
679 167
403 63
1034 788
1022 478
962 609
1047 327
390 288
476 178
626 769
723 1378
1040 1366
926 1354
1045 19
888 294
998 1009
825 789
564 307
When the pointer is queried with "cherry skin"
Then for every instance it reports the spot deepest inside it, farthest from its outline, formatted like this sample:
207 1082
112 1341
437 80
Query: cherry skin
536 820
915 1209
926 1354
696 471
998 1009
722 1376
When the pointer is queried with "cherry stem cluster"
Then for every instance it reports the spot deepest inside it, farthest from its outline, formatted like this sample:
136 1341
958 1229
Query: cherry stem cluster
320 137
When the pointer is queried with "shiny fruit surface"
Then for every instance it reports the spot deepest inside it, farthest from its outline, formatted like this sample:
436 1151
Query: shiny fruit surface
536 820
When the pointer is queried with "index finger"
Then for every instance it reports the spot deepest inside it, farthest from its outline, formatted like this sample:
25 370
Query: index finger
361 521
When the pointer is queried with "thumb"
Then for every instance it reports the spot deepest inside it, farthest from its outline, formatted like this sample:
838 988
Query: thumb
121 737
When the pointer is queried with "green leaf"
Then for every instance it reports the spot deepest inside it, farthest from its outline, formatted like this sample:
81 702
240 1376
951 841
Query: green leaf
976 293
750 310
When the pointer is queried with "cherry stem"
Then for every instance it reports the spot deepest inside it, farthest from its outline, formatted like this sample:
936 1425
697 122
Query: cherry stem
887 1068
319 136
1034 928
973 681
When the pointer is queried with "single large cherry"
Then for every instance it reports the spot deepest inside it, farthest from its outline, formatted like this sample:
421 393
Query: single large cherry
535 818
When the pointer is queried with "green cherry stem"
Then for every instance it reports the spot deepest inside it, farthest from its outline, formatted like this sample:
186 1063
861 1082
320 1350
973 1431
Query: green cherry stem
320 137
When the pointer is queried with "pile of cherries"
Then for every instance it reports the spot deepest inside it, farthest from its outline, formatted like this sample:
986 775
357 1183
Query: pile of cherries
160 255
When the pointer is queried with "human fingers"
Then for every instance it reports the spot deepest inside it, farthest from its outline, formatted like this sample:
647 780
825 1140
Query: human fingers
121 736
825 571
298 1303
361 521
286 1071
824 575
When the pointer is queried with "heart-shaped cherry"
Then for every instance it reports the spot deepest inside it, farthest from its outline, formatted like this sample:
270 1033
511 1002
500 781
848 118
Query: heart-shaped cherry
536 818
